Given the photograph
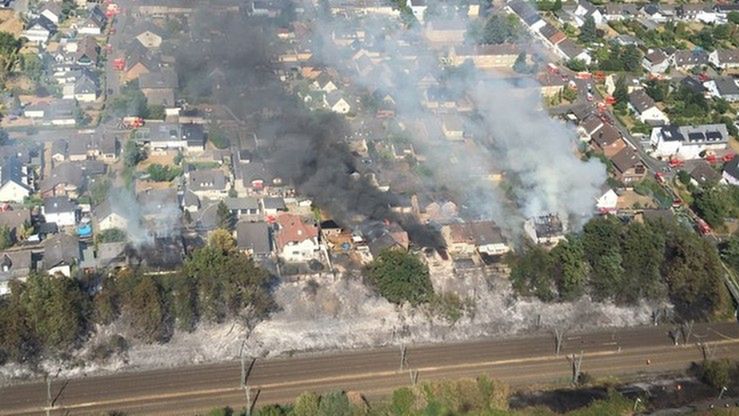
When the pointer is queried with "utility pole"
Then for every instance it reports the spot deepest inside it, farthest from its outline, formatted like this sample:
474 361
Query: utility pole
576 365
402 356
47 376
721 393
687 329
636 403
558 338
414 377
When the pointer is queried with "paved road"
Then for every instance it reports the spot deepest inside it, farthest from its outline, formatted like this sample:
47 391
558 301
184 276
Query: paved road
185 390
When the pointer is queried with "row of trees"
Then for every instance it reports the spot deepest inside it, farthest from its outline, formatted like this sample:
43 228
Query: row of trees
54 314
625 263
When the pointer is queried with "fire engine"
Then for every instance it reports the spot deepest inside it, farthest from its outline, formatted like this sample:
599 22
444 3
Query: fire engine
133 122
119 64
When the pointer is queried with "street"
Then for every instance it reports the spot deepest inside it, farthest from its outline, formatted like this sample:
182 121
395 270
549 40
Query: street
517 361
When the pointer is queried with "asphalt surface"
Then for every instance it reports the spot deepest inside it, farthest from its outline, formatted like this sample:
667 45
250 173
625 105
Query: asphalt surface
518 361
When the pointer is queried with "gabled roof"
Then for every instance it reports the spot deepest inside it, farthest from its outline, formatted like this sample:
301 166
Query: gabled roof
105 209
732 168
656 56
625 159
64 173
726 86
570 49
11 169
728 56
606 136
274 203
60 249
641 101
42 22
15 218
703 173
254 236
164 79
207 179
292 229
59 204
693 57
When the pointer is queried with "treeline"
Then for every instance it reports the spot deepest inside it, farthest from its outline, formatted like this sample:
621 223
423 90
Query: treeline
54 314
625 263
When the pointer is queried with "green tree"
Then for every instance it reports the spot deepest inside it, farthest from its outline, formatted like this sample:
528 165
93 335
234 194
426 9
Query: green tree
721 106
717 373
226 219
400 277
156 112
6 237
17 339
657 89
185 303
307 404
99 189
111 235
335 404
132 154
145 310
106 303
621 94
499 29
631 59
32 66
642 248
520 65
162 173
54 307
588 31
222 240
577 65
531 273
570 268
713 205
733 17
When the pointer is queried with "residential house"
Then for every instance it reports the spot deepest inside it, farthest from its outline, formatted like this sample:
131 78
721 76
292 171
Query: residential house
702 173
585 9
208 183
85 89
14 181
59 150
61 113
723 87
273 205
94 23
685 60
14 265
655 12
159 87
247 207
87 52
730 174
696 12
161 136
484 237
527 13
628 166
52 11
607 202
452 126
486 57
551 34
66 179
646 109
628 40
446 32
656 61
60 210
108 149
546 230
608 141
418 7
257 177
39 30
688 142
109 216
150 38
159 209
61 254
724 58
194 136
14 220
336 102
589 126
325 83
254 238
569 50
295 240
619 11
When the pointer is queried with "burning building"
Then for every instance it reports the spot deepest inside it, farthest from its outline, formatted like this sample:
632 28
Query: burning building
546 229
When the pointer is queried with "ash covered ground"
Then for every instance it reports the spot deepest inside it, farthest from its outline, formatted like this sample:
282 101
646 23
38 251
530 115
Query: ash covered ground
341 314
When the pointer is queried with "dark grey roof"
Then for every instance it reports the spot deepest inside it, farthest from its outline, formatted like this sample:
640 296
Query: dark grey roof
242 203
207 179
64 173
274 203
641 101
59 146
15 218
11 169
15 264
254 236
58 204
164 79
626 159
61 249
194 134
703 173
732 168
726 86
691 57
569 48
